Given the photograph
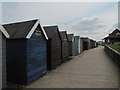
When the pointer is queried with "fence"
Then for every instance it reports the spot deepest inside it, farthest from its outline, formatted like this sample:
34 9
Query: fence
113 54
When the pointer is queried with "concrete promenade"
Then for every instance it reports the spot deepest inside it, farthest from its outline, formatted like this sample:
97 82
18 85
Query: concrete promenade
91 69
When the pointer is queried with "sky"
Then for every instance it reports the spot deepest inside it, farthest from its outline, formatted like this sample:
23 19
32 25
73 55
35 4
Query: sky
86 19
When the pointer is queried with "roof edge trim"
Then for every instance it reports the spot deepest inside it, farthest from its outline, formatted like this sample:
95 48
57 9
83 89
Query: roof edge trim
44 32
32 30
4 31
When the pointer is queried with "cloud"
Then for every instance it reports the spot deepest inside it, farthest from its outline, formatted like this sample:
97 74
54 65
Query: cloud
92 27
96 26
51 12
88 24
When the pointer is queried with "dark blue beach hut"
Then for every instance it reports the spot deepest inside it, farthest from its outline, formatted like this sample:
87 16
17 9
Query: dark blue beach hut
64 46
53 46
26 51
3 34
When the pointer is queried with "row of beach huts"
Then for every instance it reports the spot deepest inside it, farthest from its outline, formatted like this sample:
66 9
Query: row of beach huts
29 50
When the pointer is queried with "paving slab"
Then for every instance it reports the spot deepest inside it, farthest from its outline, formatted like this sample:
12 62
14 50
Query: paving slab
90 69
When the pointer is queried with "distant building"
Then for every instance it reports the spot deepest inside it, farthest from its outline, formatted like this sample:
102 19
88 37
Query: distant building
113 37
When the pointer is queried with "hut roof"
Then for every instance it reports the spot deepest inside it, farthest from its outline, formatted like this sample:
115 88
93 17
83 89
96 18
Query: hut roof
114 34
63 35
22 29
70 37
50 30
77 37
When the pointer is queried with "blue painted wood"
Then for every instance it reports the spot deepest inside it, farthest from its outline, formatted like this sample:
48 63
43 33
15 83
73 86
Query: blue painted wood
36 57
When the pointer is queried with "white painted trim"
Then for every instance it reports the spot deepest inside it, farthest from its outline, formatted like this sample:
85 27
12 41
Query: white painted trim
4 31
50 25
32 30
44 32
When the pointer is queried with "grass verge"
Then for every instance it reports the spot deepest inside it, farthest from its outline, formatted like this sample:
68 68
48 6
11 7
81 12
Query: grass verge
115 46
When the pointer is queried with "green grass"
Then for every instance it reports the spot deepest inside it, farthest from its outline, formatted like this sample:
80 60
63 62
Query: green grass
115 46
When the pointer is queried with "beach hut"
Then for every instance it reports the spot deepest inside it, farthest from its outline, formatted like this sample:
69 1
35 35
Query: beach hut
92 43
53 46
25 51
86 43
81 45
76 45
65 46
3 34
71 44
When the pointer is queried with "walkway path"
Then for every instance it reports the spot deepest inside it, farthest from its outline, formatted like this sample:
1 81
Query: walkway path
91 69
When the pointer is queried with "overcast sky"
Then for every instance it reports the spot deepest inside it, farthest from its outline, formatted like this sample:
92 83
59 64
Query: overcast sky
86 19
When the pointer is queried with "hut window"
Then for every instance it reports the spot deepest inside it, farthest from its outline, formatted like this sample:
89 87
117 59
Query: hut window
38 32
